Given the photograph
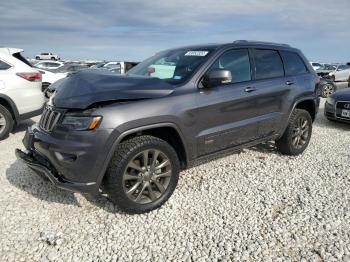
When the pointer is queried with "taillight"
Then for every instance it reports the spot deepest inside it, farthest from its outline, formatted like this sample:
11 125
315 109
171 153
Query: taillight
33 77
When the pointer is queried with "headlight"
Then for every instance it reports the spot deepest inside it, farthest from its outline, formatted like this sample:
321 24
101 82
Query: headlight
330 100
81 122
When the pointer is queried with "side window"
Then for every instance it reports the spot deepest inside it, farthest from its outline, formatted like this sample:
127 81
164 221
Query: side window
4 66
237 61
293 64
268 64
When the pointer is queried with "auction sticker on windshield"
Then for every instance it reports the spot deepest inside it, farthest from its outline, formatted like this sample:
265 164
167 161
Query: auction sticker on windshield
196 53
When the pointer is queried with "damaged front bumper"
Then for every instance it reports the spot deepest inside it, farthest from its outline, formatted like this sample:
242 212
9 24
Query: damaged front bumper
67 160
43 170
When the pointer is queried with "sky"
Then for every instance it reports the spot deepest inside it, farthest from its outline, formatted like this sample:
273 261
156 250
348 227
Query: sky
135 30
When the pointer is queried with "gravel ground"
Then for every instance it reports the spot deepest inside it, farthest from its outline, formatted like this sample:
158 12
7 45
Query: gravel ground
255 205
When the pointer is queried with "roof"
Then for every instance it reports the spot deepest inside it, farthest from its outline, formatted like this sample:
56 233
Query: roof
10 50
235 43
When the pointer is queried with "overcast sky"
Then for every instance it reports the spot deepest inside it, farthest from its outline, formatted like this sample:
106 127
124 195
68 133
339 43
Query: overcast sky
133 29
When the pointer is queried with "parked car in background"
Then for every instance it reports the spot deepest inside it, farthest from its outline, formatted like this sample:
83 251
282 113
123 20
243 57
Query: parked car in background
128 136
337 106
327 87
49 64
315 65
121 67
341 74
70 68
20 90
97 66
48 78
47 56
65 70
325 69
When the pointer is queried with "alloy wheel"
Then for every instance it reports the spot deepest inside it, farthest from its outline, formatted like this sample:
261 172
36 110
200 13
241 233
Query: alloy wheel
147 176
328 89
2 123
300 132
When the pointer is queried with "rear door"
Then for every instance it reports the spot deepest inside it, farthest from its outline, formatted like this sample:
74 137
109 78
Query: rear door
272 90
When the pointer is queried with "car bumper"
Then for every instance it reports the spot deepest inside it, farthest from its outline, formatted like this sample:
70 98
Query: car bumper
330 113
73 160
59 181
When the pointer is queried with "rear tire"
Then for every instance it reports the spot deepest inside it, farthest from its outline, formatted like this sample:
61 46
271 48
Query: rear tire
137 183
6 122
297 136
37 57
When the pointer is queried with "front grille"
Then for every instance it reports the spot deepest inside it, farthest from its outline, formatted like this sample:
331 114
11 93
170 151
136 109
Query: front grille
49 119
340 106
343 105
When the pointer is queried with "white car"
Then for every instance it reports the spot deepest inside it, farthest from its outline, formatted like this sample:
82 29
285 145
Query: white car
341 73
20 90
121 67
49 78
47 56
49 64
315 65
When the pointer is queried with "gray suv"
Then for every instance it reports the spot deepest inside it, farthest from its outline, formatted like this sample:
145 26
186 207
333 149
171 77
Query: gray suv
128 137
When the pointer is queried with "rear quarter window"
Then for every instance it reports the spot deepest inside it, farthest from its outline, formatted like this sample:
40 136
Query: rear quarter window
4 66
293 64
268 64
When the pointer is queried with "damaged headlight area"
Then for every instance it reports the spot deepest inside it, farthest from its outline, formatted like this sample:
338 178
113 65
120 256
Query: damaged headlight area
81 122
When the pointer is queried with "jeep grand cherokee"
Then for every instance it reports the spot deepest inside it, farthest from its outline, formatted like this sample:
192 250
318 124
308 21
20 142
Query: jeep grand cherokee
129 136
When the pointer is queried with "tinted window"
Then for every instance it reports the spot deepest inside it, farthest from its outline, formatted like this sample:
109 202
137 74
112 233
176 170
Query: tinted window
293 63
4 66
268 64
237 61
343 67
21 58
316 64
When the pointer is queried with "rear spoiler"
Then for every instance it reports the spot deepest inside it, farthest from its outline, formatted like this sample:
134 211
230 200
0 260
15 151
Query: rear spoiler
10 50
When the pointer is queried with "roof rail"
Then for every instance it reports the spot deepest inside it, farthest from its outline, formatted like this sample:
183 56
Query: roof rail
258 43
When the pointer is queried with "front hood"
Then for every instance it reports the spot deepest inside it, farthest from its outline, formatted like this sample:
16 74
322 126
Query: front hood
343 94
87 87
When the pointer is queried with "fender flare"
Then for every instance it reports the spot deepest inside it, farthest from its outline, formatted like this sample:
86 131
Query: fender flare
132 131
13 106
311 98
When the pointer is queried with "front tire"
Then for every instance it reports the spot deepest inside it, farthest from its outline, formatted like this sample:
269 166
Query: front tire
142 175
6 122
297 136
37 57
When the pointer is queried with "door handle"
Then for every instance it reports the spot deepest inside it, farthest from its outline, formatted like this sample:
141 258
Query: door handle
250 89
289 83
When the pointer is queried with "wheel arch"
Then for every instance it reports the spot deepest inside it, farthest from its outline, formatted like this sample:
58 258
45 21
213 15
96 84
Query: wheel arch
10 105
308 105
169 132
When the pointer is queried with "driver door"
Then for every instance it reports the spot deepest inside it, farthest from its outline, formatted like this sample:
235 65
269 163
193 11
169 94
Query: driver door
225 114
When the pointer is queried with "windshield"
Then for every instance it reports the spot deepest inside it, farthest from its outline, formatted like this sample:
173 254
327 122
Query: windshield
173 66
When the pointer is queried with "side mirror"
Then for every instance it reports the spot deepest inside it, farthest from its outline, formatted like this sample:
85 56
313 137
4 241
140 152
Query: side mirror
217 77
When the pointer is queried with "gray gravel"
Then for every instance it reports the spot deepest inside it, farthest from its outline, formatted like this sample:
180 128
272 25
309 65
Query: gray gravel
256 205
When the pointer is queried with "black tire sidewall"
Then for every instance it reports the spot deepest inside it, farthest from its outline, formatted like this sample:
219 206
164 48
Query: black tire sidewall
114 181
299 113
9 122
